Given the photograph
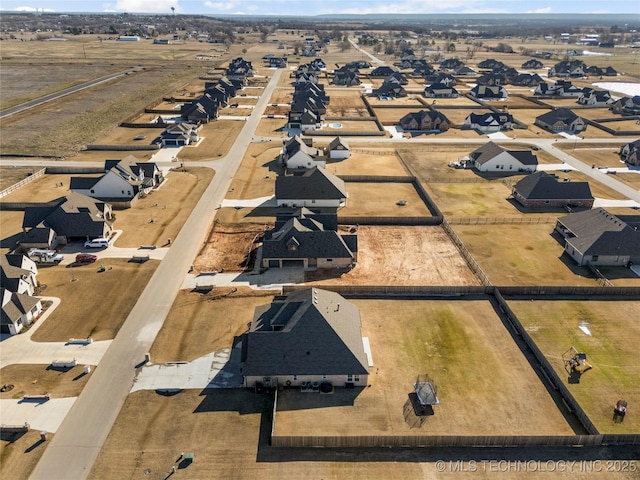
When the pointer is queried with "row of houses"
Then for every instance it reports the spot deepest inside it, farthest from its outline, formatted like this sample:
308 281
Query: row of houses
216 96
308 105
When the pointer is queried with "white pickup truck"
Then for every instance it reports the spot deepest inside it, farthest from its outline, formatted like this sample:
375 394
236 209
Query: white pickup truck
39 255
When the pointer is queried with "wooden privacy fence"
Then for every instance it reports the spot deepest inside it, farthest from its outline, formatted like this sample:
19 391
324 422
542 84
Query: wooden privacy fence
397 221
500 221
471 262
449 441
22 182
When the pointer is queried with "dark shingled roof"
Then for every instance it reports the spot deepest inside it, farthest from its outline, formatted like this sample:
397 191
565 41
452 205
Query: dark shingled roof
314 184
489 150
310 332
542 186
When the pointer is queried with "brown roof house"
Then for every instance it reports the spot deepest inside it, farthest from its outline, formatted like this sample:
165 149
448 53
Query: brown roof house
425 121
544 190
596 237
493 158
308 339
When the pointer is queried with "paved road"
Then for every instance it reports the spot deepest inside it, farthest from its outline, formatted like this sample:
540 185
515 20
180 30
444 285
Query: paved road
364 52
62 93
74 448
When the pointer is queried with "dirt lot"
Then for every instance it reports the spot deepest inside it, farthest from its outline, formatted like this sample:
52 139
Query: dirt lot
93 304
522 255
41 379
471 358
199 324
406 255
169 207
611 347
227 247
380 200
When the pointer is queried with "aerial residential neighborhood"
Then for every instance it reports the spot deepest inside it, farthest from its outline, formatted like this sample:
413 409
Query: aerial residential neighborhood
321 245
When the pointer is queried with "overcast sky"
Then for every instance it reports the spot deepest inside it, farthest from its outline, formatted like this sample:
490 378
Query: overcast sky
317 7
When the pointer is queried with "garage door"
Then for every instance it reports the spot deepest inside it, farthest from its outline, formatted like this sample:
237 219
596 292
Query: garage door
4 329
293 263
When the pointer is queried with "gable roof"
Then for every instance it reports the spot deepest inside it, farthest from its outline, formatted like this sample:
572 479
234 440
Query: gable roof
490 150
490 118
337 142
18 305
309 332
563 115
543 186
313 184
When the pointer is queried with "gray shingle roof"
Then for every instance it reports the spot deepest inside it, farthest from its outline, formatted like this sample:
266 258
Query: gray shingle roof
314 184
542 186
489 150
310 332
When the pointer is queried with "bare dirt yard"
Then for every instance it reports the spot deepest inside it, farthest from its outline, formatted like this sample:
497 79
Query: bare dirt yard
41 379
168 207
201 323
466 351
227 247
94 304
402 256
610 344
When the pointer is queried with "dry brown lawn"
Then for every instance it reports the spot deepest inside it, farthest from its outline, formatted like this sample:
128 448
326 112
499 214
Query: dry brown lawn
246 216
126 136
43 189
10 230
402 256
346 103
460 101
346 126
19 454
256 176
364 161
94 304
467 351
281 95
9 176
408 101
218 138
610 348
199 324
379 200
102 155
522 255
269 127
168 207
227 247
41 379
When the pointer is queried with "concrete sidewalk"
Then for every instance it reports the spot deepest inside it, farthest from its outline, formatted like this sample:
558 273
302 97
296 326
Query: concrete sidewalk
272 279
44 416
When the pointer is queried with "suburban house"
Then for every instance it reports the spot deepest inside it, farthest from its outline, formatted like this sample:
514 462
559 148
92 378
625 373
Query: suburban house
304 241
596 237
630 153
278 62
493 158
489 122
18 311
533 64
124 180
561 120
440 90
306 77
338 149
464 71
451 64
425 121
312 188
626 105
492 79
180 134
206 107
423 70
240 69
389 90
562 88
489 64
346 78
544 190
489 92
18 273
595 98
441 78
574 68
397 77
296 153
305 339
527 80
72 217
382 71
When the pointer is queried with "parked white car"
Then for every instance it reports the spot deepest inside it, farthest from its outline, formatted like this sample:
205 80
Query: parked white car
97 243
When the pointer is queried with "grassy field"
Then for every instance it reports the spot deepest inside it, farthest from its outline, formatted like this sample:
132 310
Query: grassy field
95 304
610 348
41 379
169 207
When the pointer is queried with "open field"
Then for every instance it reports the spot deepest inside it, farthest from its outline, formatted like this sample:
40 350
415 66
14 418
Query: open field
169 206
19 454
41 379
379 200
522 255
611 347
227 247
281 95
66 124
94 304
217 140
11 175
199 324
470 356
406 255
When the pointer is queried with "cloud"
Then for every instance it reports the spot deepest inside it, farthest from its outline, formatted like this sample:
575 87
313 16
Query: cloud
226 6
540 10
146 6
32 9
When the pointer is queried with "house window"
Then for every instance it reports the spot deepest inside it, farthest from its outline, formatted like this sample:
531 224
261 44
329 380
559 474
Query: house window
594 258
324 377
349 378
356 378
93 191
295 377
329 259
122 192
34 310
